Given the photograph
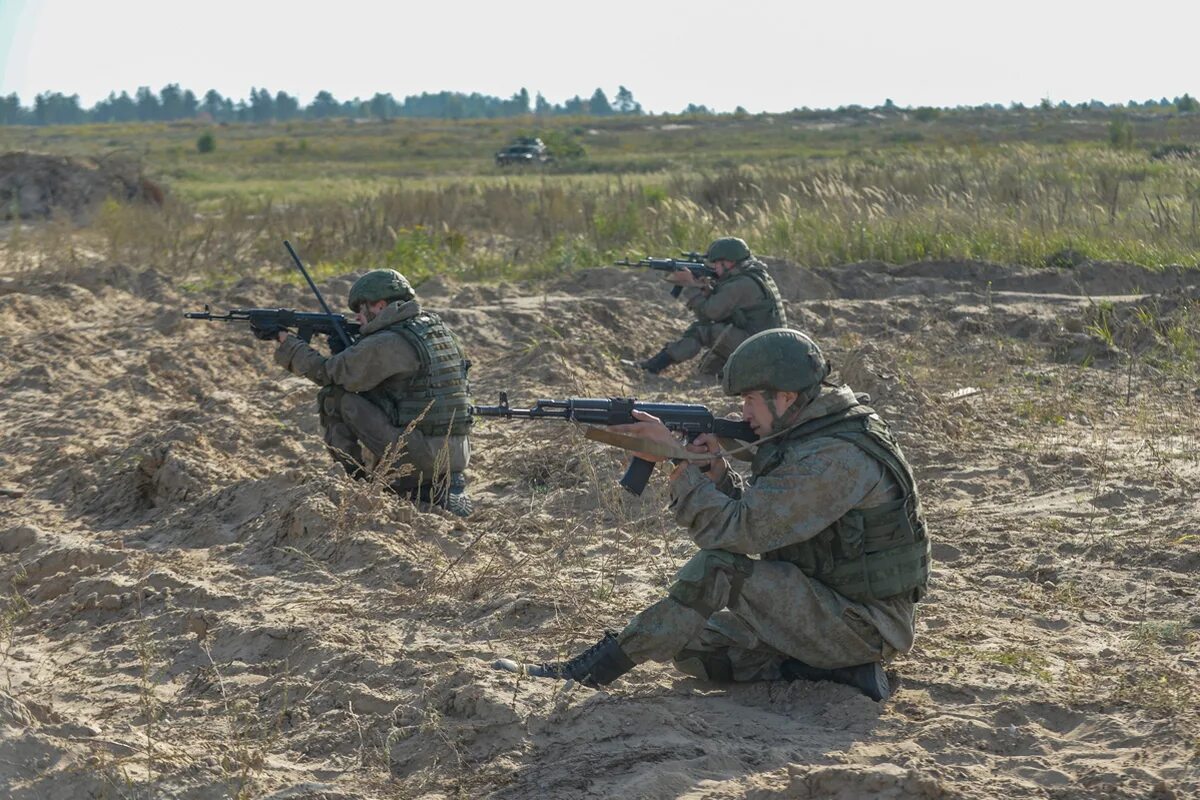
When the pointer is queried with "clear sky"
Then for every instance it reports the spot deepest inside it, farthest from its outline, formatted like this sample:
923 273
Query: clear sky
765 56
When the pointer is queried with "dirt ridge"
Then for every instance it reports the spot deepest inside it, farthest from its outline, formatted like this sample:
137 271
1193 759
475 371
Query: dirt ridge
197 603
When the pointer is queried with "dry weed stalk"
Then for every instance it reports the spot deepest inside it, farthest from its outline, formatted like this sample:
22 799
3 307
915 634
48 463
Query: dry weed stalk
374 489
14 608
244 754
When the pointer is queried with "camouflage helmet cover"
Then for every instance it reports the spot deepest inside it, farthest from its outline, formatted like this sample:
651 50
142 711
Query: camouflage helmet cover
379 284
728 248
779 359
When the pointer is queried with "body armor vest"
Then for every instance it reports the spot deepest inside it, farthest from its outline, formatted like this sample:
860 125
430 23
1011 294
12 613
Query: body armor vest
869 553
439 390
768 312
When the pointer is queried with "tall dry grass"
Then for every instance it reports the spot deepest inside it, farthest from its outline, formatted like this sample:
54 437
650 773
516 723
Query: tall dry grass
1014 203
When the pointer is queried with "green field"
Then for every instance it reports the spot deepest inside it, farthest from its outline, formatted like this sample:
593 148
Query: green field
816 187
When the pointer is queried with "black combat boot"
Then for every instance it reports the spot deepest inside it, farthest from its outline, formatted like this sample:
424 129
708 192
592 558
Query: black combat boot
869 679
600 664
456 501
353 468
453 498
658 363
450 495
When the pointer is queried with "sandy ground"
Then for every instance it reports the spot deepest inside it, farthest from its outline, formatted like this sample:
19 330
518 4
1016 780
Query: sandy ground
194 603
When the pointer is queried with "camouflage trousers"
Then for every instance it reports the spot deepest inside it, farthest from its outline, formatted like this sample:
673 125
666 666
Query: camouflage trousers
731 618
721 339
358 434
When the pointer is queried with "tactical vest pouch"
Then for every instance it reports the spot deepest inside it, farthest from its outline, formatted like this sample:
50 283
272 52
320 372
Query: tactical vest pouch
877 557
850 533
765 316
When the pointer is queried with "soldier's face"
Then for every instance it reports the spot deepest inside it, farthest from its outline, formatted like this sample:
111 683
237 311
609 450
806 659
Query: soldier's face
757 409
721 266
369 311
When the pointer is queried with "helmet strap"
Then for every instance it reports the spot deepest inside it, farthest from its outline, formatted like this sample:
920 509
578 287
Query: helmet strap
786 420
781 421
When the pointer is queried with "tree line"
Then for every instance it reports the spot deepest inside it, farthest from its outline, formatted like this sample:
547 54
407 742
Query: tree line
174 103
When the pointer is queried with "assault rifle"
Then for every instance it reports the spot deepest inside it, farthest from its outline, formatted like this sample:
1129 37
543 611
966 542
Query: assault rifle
688 419
267 322
692 261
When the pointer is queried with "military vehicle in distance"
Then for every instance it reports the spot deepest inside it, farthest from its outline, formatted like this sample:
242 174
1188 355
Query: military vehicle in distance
524 150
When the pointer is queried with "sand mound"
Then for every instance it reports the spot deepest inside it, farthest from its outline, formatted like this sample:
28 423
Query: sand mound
876 279
798 283
851 782
37 186
195 602
870 370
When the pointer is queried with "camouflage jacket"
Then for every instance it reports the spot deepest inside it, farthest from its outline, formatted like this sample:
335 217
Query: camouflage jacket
364 365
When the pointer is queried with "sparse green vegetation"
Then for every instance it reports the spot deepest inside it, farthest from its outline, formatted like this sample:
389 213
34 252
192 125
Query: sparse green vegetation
1022 661
1120 132
1154 633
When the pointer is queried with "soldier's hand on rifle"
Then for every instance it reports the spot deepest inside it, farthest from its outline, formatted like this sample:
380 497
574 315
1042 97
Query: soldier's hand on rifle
266 331
336 345
707 443
683 277
649 427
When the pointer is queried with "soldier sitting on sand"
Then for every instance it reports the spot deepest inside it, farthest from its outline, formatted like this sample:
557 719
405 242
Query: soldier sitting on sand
830 510
406 369
741 302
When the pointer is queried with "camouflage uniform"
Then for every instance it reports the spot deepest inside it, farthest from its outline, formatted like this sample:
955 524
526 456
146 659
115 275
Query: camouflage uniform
368 397
730 617
832 513
741 303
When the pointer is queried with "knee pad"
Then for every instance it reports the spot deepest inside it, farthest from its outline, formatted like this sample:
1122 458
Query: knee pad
329 411
700 584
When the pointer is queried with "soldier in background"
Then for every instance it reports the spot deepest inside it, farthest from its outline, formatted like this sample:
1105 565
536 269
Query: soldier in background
406 369
741 302
830 510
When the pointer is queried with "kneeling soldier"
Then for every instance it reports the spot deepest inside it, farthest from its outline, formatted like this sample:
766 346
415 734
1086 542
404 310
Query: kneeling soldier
830 510
406 369
742 301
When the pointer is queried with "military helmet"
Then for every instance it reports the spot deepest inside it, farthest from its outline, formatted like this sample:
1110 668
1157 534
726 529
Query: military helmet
779 359
729 248
379 284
